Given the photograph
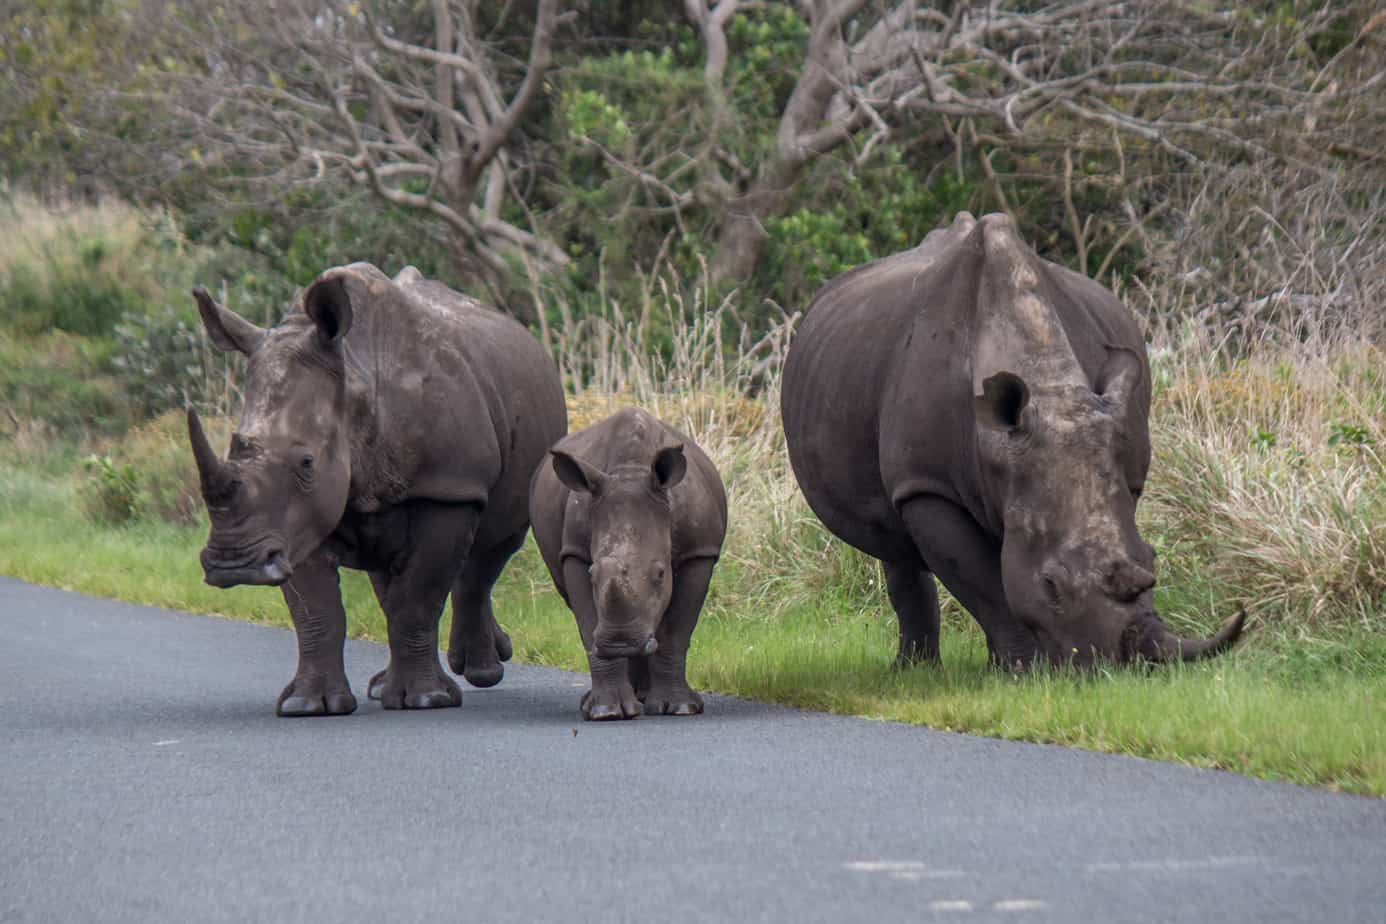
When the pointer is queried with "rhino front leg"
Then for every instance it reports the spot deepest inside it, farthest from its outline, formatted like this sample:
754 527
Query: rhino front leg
915 600
320 684
669 692
478 644
968 563
412 593
612 696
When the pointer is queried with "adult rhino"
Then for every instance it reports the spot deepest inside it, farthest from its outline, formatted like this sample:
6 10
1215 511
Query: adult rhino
968 410
390 425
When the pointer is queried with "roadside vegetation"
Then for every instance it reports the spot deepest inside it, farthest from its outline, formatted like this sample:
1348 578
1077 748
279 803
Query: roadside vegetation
1266 492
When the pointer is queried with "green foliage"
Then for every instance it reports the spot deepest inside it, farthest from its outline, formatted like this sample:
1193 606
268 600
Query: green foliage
1350 434
858 215
60 380
110 495
77 295
162 361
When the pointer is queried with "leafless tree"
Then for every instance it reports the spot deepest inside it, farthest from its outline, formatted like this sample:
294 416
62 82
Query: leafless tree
1170 75
425 113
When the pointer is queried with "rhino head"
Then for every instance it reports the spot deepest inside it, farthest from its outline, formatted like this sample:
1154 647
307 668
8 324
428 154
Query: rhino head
1067 474
283 488
631 545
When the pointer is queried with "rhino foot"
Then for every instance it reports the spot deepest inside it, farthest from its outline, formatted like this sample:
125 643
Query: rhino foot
305 696
609 705
477 674
427 689
912 654
673 702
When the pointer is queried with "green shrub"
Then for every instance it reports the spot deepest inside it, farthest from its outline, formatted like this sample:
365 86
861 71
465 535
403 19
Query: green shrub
110 494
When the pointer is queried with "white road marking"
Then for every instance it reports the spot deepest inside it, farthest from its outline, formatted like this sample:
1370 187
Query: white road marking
956 904
159 744
908 870
1018 904
883 866
1172 865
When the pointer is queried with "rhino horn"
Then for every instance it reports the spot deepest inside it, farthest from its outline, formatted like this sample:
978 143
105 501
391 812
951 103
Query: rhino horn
212 472
1164 645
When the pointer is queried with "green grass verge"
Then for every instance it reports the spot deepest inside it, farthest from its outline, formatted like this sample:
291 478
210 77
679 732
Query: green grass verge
1307 711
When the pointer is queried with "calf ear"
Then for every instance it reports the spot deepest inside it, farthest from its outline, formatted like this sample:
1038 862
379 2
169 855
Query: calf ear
328 303
575 473
227 330
1003 398
1121 378
670 465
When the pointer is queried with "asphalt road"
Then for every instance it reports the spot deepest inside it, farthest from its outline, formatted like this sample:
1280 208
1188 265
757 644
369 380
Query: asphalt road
144 777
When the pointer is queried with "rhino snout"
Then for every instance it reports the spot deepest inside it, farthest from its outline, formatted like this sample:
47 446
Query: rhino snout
268 566
626 648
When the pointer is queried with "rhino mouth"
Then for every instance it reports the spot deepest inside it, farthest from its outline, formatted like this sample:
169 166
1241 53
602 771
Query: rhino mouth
627 649
264 565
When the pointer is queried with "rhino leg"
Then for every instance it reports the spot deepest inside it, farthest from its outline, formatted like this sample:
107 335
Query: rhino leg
478 644
412 593
915 600
968 563
668 692
612 696
320 684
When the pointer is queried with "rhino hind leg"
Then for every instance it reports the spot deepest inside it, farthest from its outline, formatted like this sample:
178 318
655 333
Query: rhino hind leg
968 563
477 644
915 600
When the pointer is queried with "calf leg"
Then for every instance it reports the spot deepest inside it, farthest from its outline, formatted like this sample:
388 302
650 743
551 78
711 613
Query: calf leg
412 593
915 600
611 696
320 684
669 693
968 562
478 645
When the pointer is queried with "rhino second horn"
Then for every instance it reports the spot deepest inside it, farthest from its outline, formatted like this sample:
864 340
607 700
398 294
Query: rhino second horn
1170 647
211 471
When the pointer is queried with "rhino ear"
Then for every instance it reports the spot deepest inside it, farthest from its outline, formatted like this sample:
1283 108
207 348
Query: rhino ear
328 303
575 473
1120 378
227 330
669 467
1003 398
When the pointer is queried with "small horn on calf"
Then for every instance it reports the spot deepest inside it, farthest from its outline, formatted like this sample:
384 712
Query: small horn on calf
1163 645
211 471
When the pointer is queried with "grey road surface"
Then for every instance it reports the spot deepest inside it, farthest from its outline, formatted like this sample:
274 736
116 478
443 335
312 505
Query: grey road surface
144 777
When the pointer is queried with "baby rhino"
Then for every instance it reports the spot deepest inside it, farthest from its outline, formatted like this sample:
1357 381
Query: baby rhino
630 519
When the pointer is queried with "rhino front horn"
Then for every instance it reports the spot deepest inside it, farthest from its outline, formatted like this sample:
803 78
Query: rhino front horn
211 471
1170 647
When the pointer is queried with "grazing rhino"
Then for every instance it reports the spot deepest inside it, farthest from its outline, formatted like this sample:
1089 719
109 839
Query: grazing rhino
630 518
390 425
968 410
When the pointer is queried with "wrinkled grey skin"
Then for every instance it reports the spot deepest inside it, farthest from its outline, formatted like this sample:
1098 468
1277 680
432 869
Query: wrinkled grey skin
390 426
967 410
630 518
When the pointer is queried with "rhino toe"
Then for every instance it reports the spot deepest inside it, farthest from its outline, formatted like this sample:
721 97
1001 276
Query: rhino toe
483 675
308 699
426 689
607 707
681 702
